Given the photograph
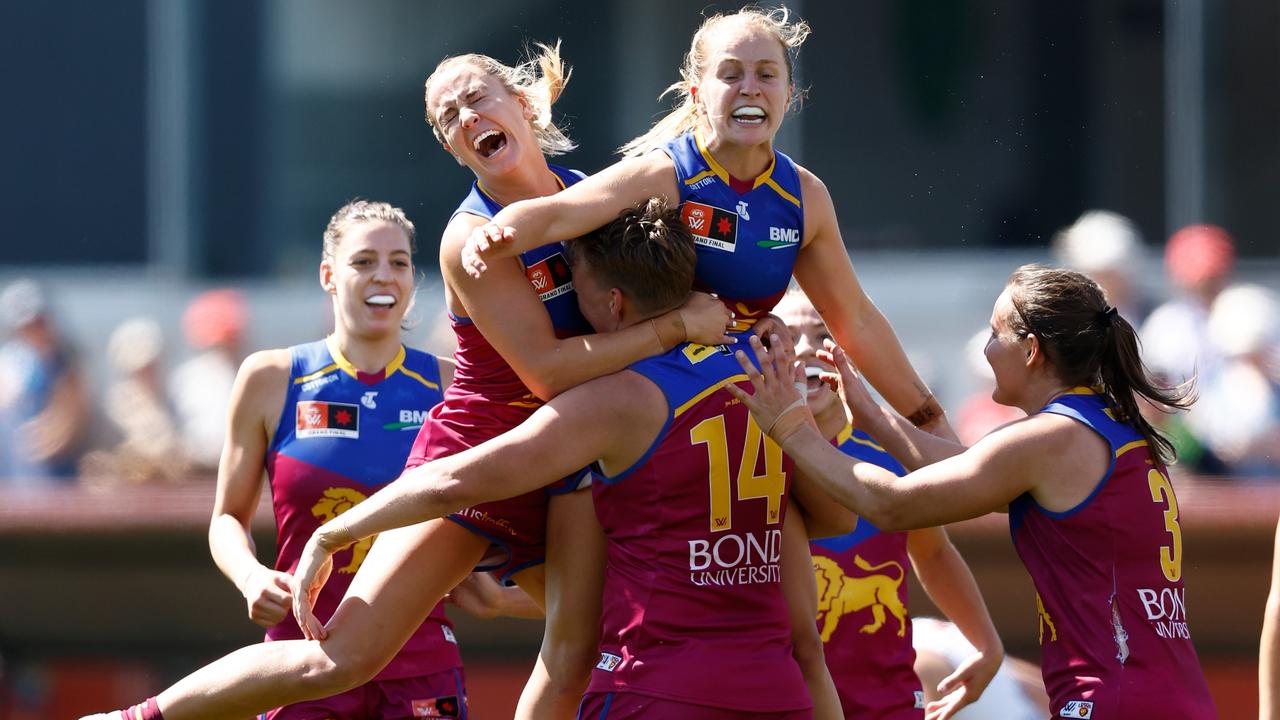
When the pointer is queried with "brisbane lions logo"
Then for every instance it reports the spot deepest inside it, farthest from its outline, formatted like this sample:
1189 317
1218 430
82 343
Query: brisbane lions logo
839 594
336 501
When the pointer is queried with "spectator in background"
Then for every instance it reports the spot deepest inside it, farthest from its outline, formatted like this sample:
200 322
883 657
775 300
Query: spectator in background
150 448
1107 247
1238 415
214 325
1199 260
1015 693
44 408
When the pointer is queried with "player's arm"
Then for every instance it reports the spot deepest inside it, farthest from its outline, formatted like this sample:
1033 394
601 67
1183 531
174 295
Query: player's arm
997 469
256 399
447 366
1269 654
946 578
506 309
570 213
481 595
581 425
826 275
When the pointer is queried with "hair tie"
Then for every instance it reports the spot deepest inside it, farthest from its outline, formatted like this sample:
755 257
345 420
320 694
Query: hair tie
1107 314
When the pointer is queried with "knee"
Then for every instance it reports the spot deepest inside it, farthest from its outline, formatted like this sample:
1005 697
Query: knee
334 671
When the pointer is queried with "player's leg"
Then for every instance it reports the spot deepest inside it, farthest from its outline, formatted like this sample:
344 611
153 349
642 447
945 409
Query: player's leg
405 574
801 591
574 576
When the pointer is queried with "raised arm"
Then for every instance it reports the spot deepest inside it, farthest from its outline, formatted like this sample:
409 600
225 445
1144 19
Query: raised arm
570 213
826 275
506 309
256 401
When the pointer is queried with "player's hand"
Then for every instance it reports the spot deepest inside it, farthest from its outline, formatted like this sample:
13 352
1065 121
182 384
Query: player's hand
847 381
706 320
771 326
479 594
965 685
778 404
267 595
314 567
483 243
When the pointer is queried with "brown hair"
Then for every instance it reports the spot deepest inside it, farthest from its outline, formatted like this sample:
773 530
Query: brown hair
1090 344
683 117
647 252
362 211
539 79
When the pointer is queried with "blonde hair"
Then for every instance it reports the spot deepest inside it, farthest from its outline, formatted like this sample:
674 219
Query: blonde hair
539 78
362 211
683 117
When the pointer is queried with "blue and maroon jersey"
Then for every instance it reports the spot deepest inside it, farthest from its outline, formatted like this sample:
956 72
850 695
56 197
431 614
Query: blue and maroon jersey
747 237
1114 639
862 609
487 398
693 607
344 435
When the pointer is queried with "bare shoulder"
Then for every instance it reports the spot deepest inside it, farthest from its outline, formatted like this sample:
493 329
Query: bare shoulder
812 186
641 397
266 368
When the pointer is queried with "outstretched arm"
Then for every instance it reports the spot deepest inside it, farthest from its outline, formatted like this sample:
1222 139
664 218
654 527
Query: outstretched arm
946 578
570 213
825 273
987 476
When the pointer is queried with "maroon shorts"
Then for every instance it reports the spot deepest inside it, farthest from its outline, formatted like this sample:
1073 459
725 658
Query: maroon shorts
439 695
633 706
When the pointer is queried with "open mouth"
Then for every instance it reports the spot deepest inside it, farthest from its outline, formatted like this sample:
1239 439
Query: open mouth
489 142
380 301
749 115
812 377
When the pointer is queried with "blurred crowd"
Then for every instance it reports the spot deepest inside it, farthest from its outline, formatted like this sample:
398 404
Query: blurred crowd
149 424
152 423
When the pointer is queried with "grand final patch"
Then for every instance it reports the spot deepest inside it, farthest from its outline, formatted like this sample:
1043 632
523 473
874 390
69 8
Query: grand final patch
550 276
327 419
711 226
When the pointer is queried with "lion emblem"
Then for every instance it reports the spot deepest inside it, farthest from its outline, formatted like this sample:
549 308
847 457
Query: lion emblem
839 594
333 503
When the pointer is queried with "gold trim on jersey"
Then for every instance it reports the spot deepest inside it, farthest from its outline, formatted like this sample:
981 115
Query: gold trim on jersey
319 373
1130 446
702 395
486 193
764 178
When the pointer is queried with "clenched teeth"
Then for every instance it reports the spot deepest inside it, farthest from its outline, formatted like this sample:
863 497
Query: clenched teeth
386 300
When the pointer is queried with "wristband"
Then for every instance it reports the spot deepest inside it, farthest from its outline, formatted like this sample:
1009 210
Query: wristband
783 426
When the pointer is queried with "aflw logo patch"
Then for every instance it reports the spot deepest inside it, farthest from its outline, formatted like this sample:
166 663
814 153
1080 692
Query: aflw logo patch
326 419
1077 709
711 226
698 353
442 707
608 662
550 277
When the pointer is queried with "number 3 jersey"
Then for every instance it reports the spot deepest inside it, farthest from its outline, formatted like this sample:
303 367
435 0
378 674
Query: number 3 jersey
1108 575
693 608
343 435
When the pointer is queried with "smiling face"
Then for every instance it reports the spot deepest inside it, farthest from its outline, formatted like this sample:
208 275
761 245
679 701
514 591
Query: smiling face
370 277
483 124
744 89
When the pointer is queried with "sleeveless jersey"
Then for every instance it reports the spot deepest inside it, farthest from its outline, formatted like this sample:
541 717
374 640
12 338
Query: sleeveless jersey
693 608
862 609
1108 575
746 242
343 435
487 398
